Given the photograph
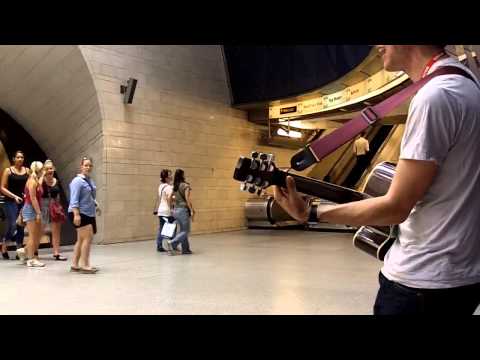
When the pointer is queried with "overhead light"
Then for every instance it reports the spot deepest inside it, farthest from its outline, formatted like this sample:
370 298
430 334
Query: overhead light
291 133
287 119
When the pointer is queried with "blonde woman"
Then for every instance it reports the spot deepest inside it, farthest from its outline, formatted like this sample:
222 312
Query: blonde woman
81 212
51 193
32 215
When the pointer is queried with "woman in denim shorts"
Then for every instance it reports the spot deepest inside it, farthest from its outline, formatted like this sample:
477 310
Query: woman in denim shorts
32 215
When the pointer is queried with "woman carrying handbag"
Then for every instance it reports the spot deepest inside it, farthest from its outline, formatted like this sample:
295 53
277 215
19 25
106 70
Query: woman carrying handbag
164 205
52 210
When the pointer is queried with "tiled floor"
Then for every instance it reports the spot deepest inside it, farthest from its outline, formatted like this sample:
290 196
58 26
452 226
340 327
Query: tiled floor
242 272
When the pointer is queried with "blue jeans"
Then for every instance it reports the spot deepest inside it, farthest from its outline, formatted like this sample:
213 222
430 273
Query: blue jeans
183 219
397 299
13 232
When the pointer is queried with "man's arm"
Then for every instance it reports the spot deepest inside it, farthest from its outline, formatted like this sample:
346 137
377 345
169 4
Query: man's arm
409 185
189 201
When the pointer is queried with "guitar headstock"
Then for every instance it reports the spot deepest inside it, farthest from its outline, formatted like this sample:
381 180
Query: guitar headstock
255 173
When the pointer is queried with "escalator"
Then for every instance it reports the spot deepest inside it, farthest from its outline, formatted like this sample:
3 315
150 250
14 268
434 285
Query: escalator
375 144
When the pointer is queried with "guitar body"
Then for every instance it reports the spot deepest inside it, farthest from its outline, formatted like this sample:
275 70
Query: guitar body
259 172
377 240
372 241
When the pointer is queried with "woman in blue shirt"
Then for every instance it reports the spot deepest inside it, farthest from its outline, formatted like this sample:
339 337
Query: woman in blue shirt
82 210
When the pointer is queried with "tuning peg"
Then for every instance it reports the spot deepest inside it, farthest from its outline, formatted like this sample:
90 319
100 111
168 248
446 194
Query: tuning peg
265 184
270 157
249 178
243 186
252 189
254 154
258 181
259 192
263 156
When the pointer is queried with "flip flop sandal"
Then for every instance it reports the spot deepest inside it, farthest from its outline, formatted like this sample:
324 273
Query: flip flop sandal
93 270
59 258
74 269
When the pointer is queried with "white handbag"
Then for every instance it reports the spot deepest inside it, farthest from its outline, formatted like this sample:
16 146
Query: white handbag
169 229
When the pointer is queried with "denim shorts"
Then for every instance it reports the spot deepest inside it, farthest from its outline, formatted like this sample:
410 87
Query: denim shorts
28 213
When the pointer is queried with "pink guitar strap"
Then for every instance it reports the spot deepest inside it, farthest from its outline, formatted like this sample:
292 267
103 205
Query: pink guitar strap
318 149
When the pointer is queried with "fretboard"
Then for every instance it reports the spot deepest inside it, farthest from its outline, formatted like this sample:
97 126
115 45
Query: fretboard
324 190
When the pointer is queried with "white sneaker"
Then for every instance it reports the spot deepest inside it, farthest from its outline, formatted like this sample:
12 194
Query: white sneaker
21 255
168 245
35 263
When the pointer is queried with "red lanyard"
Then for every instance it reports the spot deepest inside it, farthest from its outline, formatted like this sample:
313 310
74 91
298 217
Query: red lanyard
431 62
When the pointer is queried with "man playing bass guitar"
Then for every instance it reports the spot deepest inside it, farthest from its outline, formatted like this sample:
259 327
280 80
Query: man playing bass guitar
434 265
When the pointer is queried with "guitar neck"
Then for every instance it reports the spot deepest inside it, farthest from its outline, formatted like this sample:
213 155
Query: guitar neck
318 188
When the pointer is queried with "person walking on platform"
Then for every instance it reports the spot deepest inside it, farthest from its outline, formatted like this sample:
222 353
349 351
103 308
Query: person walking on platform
82 212
183 213
32 215
164 211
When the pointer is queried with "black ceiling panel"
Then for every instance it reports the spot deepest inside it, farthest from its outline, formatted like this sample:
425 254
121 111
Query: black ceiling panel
266 73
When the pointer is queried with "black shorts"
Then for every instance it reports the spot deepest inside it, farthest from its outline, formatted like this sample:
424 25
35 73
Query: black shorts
85 220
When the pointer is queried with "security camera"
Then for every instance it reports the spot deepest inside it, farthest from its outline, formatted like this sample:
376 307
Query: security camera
128 91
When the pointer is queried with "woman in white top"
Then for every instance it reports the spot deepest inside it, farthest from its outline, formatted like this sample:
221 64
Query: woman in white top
164 206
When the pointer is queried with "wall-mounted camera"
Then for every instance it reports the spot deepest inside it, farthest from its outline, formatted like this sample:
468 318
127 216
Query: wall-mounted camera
128 90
